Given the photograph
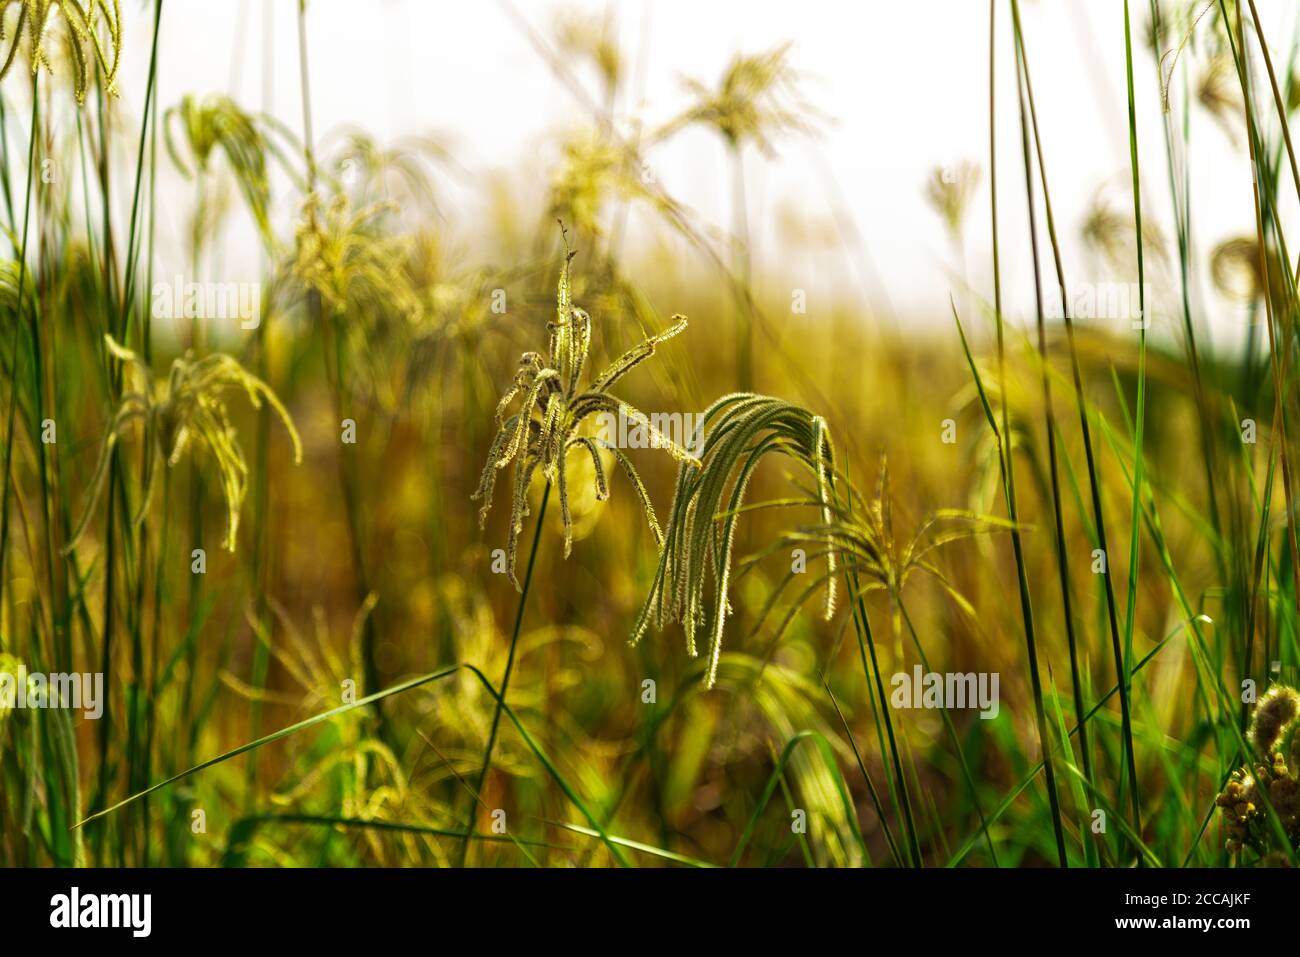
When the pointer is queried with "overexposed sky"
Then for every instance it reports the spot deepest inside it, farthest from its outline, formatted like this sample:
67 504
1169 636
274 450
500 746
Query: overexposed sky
904 87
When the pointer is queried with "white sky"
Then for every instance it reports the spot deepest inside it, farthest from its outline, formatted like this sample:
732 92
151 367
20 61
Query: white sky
904 83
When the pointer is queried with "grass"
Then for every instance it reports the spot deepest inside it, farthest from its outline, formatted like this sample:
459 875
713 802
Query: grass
1009 477
359 677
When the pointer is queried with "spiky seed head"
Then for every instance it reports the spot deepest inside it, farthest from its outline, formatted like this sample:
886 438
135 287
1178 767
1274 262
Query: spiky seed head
756 100
84 21
1275 711
341 255
949 191
552 400
182 412
590 38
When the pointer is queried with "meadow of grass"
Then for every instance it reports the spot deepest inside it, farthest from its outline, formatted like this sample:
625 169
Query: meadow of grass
366 587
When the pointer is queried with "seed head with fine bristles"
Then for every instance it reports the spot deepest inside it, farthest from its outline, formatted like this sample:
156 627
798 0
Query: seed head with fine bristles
187 408
343 257
1269 785
593 40
742 429
756 100
214 123
83 20
552 403
949 191
1275 711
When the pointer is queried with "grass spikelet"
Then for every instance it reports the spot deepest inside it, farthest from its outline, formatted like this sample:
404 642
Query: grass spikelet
554 410
217 122
187 408
1261 801
1276 710
950 191
1169 59
756 99
740 430
341 255
822 440
592 171
83 21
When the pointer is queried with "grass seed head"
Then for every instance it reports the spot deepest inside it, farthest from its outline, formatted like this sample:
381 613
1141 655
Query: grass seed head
949 191
742 429
1273 732
84 20
217 122
1274 713
756 100
541 418
351 265
592 39
187 409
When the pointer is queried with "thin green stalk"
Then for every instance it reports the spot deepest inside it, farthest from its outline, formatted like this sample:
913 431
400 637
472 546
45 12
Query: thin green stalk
1135 527
1049 412
115 467
967 777
61 645
879 702
505 679
867 645
1278 101
1094 482
1008 470
744 321
261 572
1279 407
1182 218
332 342
1279 365
4 167
272 737
13 382
147 674
121 332
862 769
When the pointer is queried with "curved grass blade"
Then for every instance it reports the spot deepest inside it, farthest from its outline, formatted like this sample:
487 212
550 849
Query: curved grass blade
638 846
276 736
376 825
828 755
551 769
